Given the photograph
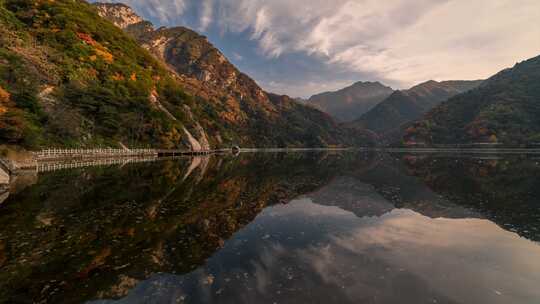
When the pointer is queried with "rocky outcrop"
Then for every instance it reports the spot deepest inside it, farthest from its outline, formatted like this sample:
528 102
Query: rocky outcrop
120 14
4 177
195 145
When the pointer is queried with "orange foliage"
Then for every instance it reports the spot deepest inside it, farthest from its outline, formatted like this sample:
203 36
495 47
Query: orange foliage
108 57
4 100
228 116
133 77
100 50
87 38
117 77
4 95
92 72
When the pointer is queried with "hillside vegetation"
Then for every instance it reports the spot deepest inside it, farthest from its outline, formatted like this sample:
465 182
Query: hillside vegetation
71 78
408 105
257 117
505 109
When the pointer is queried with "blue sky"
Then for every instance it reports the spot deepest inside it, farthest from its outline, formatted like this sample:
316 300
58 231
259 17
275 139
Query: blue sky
303 47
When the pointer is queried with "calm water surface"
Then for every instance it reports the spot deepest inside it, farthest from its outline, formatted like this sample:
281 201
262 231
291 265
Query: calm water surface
276 228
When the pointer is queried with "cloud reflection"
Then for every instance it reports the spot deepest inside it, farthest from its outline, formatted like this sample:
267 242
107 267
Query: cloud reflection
308 253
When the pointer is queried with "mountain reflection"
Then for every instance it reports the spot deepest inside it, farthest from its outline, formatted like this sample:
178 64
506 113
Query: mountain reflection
284 228
331 256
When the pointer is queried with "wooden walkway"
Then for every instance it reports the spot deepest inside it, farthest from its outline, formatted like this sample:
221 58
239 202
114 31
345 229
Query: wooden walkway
54 159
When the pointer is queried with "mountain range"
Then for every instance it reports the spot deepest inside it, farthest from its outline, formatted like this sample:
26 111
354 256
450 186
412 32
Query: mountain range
407 105
349 103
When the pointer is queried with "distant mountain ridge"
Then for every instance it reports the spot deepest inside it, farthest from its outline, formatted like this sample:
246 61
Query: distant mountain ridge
349 103
407 105
505 109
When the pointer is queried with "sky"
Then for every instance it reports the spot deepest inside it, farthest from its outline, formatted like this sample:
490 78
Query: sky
304 47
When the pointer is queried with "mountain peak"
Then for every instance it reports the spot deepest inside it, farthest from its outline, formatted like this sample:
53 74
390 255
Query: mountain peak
367 83
349 103
407 105
120 14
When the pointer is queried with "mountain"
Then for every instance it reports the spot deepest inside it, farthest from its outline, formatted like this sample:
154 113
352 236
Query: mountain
70 78
505 109
263 119
408 105
349 103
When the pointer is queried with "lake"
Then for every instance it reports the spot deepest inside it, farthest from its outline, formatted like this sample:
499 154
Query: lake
340 227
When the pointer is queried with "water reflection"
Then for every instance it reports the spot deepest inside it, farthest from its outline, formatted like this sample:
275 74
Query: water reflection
275 228
307 253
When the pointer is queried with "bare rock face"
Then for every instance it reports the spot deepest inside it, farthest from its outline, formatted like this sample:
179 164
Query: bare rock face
121 15
195 145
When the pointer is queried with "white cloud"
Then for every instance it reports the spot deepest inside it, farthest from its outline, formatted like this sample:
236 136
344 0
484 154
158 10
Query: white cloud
237 57
400 40
207 11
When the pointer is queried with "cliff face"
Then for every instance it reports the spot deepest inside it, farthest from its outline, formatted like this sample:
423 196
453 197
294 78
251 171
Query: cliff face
351 102
121 15
243 106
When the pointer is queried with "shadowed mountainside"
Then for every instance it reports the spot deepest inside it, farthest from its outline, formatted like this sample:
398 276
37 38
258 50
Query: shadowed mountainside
505 109
349 103
408 105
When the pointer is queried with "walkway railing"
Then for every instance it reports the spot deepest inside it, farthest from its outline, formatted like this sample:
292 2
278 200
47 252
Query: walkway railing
108 152
54 166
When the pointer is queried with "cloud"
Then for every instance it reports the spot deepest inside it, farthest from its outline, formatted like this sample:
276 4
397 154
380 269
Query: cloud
401 42
404 41
207 12
237 57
